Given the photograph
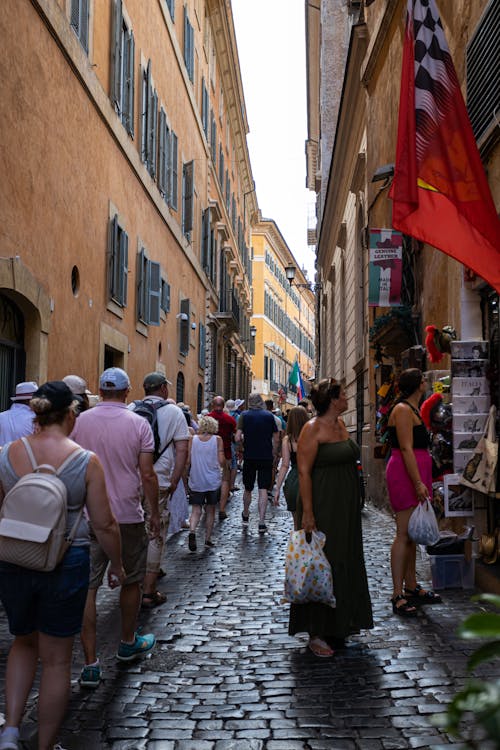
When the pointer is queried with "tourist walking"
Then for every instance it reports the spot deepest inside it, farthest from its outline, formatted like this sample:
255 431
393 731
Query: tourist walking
45 609
227 429
17 421
258 432
206 460
124 443
409 482
329 501
297 417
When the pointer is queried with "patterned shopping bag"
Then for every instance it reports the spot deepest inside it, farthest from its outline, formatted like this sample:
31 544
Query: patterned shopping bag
308 575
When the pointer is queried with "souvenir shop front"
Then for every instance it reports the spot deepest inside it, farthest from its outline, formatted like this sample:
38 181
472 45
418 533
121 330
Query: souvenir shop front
460 411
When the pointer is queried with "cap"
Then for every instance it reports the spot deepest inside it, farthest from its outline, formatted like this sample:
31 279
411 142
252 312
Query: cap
24 391
255 401
76 384
155 380
57 392
230 404
114 379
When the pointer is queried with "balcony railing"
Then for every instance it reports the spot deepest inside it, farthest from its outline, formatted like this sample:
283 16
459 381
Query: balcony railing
229 310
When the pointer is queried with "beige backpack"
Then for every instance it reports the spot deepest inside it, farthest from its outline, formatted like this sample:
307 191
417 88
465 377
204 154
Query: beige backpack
33 517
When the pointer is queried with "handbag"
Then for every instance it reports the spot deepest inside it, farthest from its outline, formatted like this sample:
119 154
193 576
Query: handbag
480 473
291 489
308 574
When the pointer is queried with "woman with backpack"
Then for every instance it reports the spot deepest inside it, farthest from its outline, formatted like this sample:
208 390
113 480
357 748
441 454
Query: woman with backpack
45 607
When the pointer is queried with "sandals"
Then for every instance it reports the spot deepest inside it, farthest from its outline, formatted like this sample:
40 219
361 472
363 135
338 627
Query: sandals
418 595
405 609
156 599
320 648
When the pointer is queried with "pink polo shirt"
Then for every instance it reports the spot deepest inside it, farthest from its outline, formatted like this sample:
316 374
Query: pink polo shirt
117 436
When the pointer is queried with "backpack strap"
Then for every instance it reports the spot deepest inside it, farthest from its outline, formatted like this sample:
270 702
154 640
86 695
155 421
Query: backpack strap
37 467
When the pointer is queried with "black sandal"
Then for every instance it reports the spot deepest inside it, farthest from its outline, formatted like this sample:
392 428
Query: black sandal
405 609
418 595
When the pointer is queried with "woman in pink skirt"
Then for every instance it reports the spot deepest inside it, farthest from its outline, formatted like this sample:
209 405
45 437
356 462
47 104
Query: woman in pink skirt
409 482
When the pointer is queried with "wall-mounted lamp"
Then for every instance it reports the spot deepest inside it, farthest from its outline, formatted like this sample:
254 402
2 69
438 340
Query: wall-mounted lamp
193 326
182 316
253 331
383 173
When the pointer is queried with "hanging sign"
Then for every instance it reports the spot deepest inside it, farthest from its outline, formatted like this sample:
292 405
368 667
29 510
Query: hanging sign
386 268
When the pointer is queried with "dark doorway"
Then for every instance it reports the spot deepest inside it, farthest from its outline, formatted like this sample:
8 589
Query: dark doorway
12 354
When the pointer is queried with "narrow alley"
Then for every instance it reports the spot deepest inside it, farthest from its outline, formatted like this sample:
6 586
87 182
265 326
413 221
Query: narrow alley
225 674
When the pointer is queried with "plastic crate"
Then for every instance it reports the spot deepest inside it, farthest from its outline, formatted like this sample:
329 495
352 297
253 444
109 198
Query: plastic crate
452 572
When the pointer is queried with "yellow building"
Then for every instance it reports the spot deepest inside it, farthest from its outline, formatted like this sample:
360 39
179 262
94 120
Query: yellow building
125 195
283 317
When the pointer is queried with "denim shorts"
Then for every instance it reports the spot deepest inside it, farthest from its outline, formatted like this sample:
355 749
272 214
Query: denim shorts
50 603
209 497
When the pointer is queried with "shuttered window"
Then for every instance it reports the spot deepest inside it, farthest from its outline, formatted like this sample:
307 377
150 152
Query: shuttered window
187 197
202 346
118 262
204 107
483 72
123 69
221 167
205 240
80 21
171 8
148 290
213 138
173 171
188 45
149 122
165 296
184 326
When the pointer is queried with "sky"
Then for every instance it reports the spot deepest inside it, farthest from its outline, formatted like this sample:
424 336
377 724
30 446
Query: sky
270 35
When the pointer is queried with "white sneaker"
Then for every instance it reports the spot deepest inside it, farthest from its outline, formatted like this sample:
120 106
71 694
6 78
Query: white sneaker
9 744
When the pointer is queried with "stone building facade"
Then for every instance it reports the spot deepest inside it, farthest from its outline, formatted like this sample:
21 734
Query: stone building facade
126 196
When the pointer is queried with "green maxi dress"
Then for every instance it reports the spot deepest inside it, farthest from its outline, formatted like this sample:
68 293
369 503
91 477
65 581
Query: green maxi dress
337 512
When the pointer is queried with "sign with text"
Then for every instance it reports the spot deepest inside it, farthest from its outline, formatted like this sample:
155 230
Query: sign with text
386 268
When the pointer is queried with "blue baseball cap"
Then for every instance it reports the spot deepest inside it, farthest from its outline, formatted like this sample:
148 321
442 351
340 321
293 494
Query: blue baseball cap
114 379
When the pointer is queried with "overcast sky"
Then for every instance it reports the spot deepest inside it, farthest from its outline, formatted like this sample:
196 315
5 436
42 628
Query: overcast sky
271 46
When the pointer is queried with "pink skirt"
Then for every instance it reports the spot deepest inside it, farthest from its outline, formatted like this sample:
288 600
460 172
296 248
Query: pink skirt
399 485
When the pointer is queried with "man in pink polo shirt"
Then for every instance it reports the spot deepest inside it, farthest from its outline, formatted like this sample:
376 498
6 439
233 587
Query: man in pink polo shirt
124 443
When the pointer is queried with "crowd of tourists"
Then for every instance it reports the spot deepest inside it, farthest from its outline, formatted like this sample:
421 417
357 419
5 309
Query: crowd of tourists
135 468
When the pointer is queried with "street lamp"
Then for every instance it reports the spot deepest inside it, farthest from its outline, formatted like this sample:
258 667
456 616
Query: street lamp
253 334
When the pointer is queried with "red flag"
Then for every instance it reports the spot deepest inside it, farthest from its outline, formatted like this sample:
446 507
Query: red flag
440 192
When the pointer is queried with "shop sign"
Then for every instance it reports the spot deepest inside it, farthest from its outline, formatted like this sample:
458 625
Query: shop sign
386 268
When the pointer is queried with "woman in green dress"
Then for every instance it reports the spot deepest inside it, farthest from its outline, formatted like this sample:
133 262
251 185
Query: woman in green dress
329 501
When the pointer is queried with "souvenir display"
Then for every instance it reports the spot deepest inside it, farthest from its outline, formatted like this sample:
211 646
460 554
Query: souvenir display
458 500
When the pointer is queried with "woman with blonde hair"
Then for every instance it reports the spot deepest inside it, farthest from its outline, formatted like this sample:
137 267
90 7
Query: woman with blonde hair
45 609
204 464
297 418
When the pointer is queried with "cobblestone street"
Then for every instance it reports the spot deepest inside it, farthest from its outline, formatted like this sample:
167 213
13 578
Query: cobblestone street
225 674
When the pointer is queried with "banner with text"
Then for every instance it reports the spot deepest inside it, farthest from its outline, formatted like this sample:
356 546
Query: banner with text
386 268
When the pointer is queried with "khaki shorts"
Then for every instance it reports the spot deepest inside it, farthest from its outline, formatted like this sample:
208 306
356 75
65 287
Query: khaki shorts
134 555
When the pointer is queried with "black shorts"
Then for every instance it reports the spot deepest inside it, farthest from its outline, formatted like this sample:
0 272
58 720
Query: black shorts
209 497
261 468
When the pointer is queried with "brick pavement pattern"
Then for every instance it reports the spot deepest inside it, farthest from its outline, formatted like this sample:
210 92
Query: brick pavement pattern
226 676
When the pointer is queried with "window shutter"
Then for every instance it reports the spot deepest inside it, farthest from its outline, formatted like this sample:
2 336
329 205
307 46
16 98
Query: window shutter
113 250
188 174
154 293
266 367
144 114
221 167
130 85
171 7
175 176
213 137
205 239
152 127
84 25
185 326
75 15
117 55
141 285
202 345
165 296
123 268
162 155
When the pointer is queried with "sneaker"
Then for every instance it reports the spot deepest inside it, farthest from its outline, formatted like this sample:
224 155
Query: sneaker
244 518
262 528
209 543
9 740
91 675
222 515
192 541
143 644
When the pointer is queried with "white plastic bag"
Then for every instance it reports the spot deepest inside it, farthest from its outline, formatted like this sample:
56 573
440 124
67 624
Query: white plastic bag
423 526
308 575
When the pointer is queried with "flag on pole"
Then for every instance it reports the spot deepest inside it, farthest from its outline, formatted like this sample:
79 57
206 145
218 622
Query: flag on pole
440 192
296 380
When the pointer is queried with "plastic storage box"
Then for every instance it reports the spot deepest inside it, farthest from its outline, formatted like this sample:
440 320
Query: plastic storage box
452 571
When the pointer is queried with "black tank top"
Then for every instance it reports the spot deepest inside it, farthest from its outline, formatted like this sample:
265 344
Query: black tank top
420 434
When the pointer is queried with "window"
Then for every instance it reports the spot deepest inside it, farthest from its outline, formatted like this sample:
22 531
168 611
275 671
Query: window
179 388
204 107
148 290
80 21
187 197
228 192
118 263
149 121
188 45
184 326
483 70
213 137
202 351
165 296
171 8
123 69
221 166
199 398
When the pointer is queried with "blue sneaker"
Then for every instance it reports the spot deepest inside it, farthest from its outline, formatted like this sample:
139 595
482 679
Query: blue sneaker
91 675
143 644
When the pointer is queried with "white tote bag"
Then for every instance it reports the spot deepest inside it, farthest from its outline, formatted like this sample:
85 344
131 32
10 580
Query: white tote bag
481 471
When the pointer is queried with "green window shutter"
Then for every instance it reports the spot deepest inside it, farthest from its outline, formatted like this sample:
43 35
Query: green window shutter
162 155
130 85
113 249
144 113
188 196
154 293
213 137
174 171
141 285
117 55
152 125
123 266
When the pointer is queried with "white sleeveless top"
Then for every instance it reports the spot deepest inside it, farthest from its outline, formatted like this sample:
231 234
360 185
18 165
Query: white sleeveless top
205 473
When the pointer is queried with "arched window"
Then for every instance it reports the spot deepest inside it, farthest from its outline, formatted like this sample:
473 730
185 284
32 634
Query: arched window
179 393
199 399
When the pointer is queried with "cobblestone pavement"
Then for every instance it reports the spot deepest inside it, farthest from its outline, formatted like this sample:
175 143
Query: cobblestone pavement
226 676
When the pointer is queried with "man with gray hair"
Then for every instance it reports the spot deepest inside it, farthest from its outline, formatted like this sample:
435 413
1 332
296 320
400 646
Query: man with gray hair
259 434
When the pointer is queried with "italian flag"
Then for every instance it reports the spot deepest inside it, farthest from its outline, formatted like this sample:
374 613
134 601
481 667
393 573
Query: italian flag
296 380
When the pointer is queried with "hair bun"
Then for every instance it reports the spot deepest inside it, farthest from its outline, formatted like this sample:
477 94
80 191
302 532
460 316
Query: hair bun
40 405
